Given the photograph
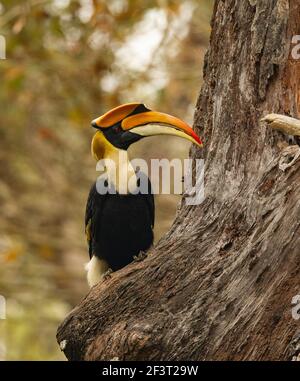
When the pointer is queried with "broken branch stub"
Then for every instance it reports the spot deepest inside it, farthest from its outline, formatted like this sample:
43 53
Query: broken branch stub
283 123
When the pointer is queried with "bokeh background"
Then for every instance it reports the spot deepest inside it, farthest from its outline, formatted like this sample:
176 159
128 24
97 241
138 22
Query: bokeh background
67 63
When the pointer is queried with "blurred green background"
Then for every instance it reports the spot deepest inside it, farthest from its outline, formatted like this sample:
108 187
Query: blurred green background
67 63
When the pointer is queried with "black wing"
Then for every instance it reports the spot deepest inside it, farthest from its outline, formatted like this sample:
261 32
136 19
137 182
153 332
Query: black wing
94 206
94 209
148 197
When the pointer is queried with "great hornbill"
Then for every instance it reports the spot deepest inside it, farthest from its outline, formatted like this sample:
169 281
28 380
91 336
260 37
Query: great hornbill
119 225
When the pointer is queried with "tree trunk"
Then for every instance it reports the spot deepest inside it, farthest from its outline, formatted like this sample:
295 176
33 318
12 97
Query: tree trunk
219 285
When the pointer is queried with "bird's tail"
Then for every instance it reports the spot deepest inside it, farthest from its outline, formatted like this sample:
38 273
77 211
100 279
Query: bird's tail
95 268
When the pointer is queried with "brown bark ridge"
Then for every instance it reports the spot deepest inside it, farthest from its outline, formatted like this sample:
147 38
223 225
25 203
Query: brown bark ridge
219 285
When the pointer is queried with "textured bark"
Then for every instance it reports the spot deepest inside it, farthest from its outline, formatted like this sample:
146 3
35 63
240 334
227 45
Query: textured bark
219 285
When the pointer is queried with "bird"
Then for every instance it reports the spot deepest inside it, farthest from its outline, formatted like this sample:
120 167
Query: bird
119 223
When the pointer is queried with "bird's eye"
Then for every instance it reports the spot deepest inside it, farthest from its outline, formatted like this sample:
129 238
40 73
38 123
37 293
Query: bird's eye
117 129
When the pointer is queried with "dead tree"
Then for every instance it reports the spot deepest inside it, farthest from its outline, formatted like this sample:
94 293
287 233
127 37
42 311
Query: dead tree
219 285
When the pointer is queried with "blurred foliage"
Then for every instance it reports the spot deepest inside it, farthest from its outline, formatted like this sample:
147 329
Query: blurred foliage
68 62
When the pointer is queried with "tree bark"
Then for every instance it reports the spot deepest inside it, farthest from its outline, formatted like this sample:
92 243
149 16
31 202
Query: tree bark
219 285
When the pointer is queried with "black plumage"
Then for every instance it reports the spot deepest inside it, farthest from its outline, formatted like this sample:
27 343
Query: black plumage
118 226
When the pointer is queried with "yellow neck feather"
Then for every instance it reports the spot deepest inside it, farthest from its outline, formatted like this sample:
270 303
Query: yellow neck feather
123 171
101 147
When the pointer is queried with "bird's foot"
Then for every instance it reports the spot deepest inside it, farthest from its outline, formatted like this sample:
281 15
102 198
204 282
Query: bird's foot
107 274
140 257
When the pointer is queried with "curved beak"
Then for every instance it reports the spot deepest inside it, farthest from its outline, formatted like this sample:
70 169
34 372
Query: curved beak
153 123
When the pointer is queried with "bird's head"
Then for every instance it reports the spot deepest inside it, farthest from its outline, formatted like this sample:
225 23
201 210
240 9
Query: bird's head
129 123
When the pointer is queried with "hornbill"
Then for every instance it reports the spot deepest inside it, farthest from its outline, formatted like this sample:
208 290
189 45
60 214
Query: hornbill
119 225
